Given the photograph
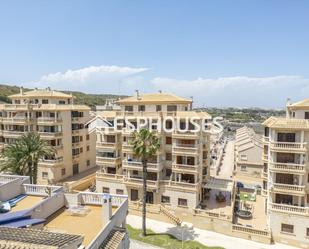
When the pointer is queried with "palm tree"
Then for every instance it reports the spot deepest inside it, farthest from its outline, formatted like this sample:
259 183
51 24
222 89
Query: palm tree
145 145
13 159
23 156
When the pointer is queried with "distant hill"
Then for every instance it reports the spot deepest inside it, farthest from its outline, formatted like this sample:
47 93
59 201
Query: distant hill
81 98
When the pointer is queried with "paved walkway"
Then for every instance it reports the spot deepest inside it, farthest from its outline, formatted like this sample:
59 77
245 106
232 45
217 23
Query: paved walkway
140 245
227 163
203 236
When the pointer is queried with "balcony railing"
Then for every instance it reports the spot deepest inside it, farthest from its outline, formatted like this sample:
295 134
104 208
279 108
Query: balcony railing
265 139
288 146
185 149
280 187
185 134
105 176
46 134
108 160
16 120
289 209
138 165
287 167
252 231
181 185
139 182
52 162
49 120
13 134
107 145
185 167
40 190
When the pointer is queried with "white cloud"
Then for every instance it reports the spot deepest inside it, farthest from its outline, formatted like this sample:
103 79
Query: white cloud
239 91
93 79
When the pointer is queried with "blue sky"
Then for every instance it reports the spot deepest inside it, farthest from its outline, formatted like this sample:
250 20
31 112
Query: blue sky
223 53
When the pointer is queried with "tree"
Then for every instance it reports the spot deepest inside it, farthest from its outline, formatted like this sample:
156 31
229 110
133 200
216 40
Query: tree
23 156
145 145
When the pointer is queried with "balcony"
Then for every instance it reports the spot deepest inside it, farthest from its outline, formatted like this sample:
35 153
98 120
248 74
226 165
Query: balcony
51 162
181 185
109 161
138 182
127 148
48 120
289 188
187 149
135 165
264 175
288 147
186 168
265 139
13 134
76 132
185 134
49 135
109 177
265 157
107 145
16 120
289 209
290 168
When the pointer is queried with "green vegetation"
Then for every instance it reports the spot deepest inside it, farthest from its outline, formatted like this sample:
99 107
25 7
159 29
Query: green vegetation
247 197
81 98
243 115
22 156
165 240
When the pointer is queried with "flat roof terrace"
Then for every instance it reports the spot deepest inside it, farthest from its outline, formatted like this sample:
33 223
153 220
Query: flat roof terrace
28 202
87 225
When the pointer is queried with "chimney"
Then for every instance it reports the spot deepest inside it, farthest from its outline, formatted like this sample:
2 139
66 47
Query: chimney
287 112
137 94
21 90
160 91
106 208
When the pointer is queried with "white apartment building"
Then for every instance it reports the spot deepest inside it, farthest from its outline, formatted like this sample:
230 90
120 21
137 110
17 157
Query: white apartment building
176 173
287 184
59 121
248 152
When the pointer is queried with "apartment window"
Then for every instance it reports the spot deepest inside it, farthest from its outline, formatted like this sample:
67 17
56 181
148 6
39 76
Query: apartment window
171 108
306 115
243 157
135 172
128 108
81 150
17 101
61 102
243 168
134 194
158 108
88 147
87 137
88 163
165 199
44 175
168 172
62 172
287 228
105 190
307 232
168 156
168 140
293 114
182 202
81 138
44 101
141 108
266 131
119 191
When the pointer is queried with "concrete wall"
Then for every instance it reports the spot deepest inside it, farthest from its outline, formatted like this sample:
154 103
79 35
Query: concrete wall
11 189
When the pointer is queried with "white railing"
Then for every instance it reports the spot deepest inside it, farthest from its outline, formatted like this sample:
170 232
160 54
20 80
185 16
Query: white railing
9 178
287 167
252 231
52 161
106 144
41 190
109 176
289 208
288 145
265 139
185 167
49 119
288 187
139 181
211 214
49 134
136 164
184 184
97 198
184 149
107 160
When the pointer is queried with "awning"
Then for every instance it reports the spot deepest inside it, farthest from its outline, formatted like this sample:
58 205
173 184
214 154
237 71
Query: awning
219 184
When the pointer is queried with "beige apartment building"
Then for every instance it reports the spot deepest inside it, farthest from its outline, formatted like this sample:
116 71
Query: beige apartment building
248 152
286 167
59 121
176 173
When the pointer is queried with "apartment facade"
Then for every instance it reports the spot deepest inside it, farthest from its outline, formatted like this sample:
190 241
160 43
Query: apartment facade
248 152
176 173
59 121
286 170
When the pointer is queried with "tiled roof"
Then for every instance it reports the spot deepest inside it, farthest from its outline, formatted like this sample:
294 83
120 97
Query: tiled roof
41 93
34 238
155 98
287 123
